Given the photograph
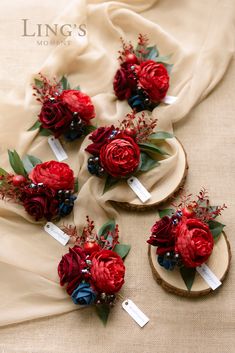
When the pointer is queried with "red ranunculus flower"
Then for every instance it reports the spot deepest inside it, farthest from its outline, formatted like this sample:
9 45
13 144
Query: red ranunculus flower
79 102
107 271
154 79
70 268
124 81
194 241
163 235
99 137
55 175
55 116
121 156
40 202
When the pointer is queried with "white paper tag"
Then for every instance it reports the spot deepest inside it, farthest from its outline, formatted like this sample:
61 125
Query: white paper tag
56 233
139 189
135 312
208 276
169 99
57 149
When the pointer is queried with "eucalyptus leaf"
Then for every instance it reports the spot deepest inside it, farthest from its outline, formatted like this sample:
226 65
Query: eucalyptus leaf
109 182
150 147
64 82
146 162
3 172
16 163
77 88
103 311
166 212
168 67
216 228
164 59
188 275
38 83
35 126
161 135
122 250
45 132
152 53
107 228
30 162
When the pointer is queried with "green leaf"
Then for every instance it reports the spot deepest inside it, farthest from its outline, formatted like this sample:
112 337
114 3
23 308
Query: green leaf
64 82
188 275
76 185
45 132
122 250
38 83
216 228
164 59
16 163
146 162
77 88
35 126
166 212
89 129
109 182
3 172
150 147
161 135
168 67
103 311
107 228
29 162
152 53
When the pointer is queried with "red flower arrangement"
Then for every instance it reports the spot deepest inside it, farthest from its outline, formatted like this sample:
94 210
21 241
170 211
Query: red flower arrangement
120 152
93 269
185 236
64 111
143 76
46 190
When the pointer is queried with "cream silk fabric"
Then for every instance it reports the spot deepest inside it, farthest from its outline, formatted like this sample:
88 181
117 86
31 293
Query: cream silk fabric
201 53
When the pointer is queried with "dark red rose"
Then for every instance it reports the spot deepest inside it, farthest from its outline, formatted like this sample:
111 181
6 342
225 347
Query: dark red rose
121 156
99 137
194 241
55 175
79 102
70 268
154 79
107 271
55 116
124 81
40 202
163 235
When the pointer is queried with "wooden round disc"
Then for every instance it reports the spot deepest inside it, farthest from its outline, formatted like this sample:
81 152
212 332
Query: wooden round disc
219 263
166 188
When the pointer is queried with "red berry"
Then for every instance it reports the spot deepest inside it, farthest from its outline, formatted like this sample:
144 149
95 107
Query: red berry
188 212
131 59
130 132
17 180
90 247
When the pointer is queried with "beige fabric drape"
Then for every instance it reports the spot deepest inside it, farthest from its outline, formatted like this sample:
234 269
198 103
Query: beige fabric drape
200 36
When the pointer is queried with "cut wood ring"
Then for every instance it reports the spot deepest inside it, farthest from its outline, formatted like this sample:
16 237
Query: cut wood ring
171 281
174 185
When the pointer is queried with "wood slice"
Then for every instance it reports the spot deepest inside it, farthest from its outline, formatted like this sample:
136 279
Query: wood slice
169 186
219 263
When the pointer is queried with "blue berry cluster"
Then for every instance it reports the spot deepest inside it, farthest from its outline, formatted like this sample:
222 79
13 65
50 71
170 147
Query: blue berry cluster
94 167
66 202
76 128
169 260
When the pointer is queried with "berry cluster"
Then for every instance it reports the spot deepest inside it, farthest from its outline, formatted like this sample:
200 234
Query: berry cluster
107 299
94 167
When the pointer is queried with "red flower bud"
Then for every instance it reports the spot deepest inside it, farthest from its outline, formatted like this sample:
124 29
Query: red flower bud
90 247
18 180
131 59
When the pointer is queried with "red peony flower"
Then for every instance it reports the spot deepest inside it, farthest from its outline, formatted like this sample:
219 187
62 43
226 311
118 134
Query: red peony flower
40 202
79 102
154 79
194 241
163 235
121 156
55 116
124 81
107 271
99 137
55 175
70 268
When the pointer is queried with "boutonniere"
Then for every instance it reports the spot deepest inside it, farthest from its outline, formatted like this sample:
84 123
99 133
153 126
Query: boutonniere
131 148
186 234
93 270
143 76
45 190
64 111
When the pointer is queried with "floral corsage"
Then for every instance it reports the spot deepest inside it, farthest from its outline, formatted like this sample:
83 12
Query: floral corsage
185 236
46 190
121 152
93 269
143 76
64 111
